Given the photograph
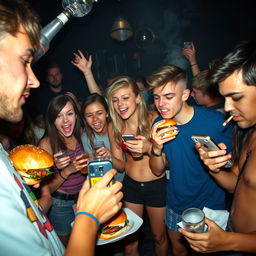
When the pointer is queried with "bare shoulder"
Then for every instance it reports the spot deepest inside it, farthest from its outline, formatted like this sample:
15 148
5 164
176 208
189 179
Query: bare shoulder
45 144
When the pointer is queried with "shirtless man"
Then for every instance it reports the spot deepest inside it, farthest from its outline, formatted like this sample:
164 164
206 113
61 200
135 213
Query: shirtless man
236 76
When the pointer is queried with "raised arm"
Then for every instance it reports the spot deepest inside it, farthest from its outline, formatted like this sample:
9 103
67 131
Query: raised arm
85 66
190 53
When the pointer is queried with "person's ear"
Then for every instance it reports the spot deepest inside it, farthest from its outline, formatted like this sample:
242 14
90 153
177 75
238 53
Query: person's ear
186 94
138 99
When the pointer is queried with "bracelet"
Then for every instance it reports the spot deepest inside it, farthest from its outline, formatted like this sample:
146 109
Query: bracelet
154 154
193 64
90 215
62 176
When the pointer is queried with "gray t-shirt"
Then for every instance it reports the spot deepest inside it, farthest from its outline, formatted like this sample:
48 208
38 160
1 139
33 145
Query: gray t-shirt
87 147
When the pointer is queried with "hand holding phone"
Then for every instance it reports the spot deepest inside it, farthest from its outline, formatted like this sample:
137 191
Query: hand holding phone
127 137
209 145
187 44
97 167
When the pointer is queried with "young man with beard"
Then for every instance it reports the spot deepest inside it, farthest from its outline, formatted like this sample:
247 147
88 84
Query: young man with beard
25 230
236 77
189 184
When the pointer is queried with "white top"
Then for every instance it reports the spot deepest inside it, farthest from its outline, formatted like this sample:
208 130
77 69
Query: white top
24 229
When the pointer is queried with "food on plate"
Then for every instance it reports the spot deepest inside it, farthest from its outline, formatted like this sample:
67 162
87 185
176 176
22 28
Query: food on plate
116 226
166 124
31 162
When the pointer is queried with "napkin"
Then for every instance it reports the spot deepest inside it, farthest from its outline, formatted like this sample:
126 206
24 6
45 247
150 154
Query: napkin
220 217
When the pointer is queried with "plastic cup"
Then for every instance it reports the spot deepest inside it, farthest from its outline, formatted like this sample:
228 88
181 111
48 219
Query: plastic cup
193 220
136 154
63 154
84 170
98 144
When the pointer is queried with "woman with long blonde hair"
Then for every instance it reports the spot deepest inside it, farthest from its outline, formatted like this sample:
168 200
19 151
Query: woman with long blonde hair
141 188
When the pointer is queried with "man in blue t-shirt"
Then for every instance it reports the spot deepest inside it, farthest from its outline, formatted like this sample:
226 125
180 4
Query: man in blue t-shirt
190 184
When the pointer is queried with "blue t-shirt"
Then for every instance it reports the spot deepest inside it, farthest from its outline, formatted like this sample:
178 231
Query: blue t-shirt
190 184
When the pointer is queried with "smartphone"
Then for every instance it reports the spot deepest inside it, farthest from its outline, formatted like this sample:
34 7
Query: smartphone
126 137
97 168
187 44
209 145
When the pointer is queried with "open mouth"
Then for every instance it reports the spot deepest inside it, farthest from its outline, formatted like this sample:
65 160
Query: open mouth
123 111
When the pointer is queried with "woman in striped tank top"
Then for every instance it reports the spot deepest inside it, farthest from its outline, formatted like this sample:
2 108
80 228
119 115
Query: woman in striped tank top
63 134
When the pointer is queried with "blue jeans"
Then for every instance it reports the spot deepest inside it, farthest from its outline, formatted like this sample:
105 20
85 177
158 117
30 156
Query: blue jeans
62 215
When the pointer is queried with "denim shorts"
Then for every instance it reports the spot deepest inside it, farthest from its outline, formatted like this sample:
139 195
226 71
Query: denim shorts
62 215
149 193
171 219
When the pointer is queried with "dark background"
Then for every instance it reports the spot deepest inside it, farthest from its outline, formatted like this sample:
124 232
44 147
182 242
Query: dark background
214 27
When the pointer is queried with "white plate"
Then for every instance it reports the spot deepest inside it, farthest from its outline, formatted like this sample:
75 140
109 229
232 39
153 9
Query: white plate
134 224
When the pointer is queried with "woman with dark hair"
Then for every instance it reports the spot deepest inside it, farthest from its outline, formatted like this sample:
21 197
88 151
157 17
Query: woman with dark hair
62 139
95 112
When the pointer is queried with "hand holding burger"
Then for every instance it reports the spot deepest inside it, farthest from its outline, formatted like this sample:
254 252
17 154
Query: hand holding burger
31 162
162 132
167 124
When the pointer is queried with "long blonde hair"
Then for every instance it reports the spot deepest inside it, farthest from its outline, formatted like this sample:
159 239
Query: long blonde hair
118 122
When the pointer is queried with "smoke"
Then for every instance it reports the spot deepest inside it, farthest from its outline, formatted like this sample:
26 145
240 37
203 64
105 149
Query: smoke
176 22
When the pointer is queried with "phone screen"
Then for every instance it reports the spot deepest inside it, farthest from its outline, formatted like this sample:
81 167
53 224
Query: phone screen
126 137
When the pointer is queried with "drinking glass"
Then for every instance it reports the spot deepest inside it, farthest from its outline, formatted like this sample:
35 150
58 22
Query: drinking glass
193 220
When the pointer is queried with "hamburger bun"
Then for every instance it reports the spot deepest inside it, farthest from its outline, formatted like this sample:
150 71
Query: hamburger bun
114 227
31 162
166 124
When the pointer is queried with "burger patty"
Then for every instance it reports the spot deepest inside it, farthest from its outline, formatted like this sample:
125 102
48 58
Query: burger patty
36 174
113 229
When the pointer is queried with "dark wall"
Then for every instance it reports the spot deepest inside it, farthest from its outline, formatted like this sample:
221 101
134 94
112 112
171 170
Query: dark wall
214 27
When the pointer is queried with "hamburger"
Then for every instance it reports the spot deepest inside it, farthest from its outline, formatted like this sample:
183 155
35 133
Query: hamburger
168 123
31 162
114 227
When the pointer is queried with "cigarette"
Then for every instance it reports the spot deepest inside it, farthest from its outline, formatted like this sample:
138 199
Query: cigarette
228 120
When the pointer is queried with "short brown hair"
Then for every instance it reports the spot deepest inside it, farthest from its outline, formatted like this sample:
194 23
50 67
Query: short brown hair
17 12
166 74
200 81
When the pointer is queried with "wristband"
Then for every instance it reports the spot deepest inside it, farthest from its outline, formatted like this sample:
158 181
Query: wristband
90 215
154 154
193 64
62 176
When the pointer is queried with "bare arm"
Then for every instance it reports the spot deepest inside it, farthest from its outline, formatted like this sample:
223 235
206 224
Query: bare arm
190 53
45 199
216 239
102 202
157 161
62 164
116 151
85 66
